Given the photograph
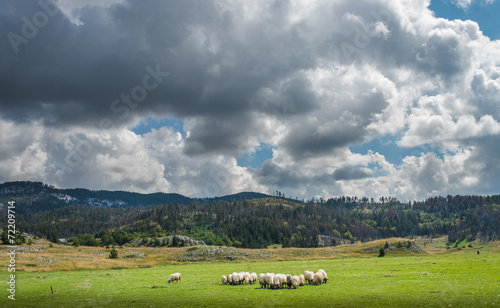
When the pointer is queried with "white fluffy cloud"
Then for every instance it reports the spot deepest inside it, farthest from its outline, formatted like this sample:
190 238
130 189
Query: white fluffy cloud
309 79
465 4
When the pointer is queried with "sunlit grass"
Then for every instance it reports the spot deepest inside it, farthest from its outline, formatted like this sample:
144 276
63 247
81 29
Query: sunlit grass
458 278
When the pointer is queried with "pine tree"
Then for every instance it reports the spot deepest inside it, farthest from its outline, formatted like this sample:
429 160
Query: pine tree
113 254
175 241
5 236
381 252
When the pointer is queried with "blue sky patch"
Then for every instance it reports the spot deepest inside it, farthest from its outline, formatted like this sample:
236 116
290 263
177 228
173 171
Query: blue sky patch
150 123
257 158
486 15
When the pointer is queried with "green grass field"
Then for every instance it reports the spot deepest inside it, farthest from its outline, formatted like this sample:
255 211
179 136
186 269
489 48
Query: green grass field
457 278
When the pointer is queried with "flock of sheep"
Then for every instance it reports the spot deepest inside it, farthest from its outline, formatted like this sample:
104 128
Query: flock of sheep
269 280
276 281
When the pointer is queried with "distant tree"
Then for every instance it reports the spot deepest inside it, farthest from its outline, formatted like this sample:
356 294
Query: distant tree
175 241
113 254
54 237
5 236
381 252
334 242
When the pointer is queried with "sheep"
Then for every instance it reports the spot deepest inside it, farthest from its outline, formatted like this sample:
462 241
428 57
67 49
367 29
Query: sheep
279 280
295 281
301 280
262 280
284 281
269 280
325 279
174 277
250 278
318 278
224 280
254 277
289 280
308 275
236 278
230 279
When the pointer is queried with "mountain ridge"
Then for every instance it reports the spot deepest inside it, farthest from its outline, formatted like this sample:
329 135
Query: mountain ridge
36 196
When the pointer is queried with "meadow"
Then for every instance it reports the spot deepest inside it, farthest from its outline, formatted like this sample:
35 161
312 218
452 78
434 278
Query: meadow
435 278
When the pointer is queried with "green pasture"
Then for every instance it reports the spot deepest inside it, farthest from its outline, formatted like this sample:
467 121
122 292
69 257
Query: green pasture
456 278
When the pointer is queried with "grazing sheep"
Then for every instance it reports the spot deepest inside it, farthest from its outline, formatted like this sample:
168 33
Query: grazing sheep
289 280
254 277
230 279
236 278
301 280
325 279
174 277
248 279
224 280
318 278
269 280
308 275
278 281
262 280
295 281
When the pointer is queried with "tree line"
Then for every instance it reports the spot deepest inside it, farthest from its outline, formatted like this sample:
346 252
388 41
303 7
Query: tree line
254 224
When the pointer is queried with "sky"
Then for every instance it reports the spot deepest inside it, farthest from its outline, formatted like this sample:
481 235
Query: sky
207 98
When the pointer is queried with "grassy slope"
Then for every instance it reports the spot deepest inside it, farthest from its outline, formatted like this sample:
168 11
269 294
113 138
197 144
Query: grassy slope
453 277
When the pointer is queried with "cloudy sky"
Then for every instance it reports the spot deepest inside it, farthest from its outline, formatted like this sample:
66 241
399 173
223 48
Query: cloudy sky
312 98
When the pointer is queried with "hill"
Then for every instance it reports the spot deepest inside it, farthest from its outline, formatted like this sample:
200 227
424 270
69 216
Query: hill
37 196
249 220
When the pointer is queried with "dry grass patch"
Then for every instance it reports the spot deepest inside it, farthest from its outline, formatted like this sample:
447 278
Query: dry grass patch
68 258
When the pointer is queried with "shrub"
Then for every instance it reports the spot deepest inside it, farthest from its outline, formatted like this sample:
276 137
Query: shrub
381 252
113 254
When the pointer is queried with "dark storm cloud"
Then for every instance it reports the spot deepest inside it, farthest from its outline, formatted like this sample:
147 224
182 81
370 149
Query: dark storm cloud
309 79
308 141
349 173
71 74
277 176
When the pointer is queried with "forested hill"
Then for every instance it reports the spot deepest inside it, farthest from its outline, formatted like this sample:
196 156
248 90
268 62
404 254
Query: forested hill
264 221
37 196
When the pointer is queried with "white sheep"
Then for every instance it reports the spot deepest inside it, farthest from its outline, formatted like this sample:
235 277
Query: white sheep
277 281
280 280
236 278
248 278
318 278
230 279
295 281
269 280
174 277
301 280
262 280
254 277
308 275
224 280
325 277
